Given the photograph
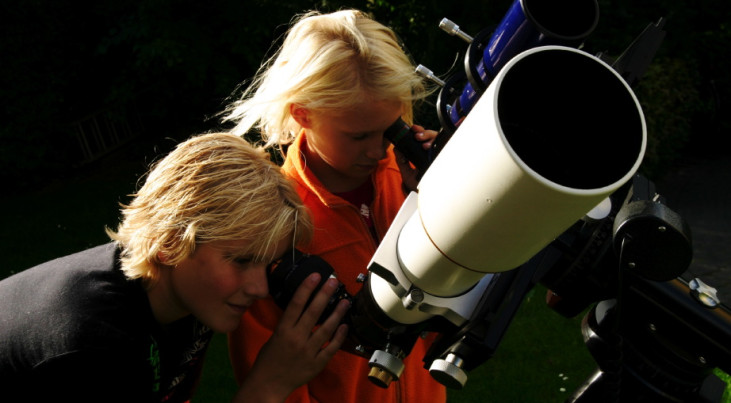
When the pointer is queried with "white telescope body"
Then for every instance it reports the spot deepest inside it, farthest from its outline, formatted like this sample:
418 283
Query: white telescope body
555 133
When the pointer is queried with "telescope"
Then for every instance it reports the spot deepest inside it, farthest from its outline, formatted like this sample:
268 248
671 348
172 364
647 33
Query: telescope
533 179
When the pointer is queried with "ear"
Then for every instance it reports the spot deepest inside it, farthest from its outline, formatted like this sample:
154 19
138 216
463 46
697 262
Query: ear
162 258
301 115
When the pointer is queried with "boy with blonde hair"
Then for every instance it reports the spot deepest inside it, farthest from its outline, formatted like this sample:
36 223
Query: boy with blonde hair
130 321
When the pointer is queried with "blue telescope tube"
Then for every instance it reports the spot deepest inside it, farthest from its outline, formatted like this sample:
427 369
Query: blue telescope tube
527 24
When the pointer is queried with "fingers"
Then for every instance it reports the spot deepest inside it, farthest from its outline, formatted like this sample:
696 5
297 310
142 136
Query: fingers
318 304
300 315
301 321
335 343
298 350
425 137
332 326
297 304
408 173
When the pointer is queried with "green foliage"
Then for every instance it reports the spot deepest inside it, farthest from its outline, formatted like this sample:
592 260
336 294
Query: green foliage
670 100
542 358
726 378
178 61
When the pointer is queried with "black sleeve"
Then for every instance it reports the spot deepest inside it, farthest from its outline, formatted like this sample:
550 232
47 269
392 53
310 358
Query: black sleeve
90 376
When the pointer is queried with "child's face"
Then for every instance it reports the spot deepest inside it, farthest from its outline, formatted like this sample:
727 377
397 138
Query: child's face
344 147
217 283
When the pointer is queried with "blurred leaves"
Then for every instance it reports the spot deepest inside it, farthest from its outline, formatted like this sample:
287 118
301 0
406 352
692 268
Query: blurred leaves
177 61
670 99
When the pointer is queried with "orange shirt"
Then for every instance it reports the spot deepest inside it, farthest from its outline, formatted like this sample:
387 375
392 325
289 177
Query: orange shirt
342 239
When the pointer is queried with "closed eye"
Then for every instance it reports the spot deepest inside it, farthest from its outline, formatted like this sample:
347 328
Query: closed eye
245 262
362 136
241 260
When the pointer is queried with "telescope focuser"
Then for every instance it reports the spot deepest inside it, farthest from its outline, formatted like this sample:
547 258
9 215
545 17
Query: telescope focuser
453 29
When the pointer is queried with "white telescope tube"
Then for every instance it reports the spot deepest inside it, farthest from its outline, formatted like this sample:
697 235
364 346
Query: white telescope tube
554 134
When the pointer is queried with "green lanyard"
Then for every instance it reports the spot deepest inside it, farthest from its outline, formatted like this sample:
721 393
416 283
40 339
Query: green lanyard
154 360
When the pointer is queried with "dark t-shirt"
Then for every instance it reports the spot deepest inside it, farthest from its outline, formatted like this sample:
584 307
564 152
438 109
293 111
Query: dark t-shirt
76 328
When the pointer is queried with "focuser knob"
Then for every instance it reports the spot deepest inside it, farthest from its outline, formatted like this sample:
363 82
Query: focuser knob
429 75
453 29
449 372
385 368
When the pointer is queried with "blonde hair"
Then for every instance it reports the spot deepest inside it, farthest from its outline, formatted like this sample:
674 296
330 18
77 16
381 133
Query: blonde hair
212 187
327 62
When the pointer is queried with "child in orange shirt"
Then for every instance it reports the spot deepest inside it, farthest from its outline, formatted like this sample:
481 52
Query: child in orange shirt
338 81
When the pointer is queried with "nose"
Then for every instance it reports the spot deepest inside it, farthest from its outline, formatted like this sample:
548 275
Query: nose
254 281
377 148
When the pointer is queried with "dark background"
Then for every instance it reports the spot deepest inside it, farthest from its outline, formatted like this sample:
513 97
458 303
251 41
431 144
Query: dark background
92 91
79 78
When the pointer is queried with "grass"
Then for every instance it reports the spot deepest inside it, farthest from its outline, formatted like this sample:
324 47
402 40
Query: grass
542 357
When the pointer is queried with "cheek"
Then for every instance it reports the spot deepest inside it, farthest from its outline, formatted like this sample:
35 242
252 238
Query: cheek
334 154
345 153
335 149
212 282
224 282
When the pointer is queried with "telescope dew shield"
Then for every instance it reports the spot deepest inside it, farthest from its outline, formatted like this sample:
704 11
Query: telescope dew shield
555 133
